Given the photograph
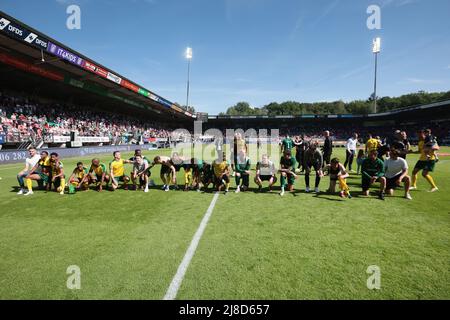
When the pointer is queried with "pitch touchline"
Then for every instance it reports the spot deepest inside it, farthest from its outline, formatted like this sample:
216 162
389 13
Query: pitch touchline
172 291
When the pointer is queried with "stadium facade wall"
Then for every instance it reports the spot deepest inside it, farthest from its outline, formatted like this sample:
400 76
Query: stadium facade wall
18 156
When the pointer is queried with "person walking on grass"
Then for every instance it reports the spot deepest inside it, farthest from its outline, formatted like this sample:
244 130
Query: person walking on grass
350 150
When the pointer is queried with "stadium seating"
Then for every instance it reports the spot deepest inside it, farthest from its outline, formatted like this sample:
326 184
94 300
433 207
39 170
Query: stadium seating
23 119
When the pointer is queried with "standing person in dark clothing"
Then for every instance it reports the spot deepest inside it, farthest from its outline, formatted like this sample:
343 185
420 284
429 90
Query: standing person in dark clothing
313 159
406 141
298 145
327 148
398 144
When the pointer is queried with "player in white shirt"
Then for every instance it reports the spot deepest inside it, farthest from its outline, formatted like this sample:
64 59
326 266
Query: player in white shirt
396 172
30 162
140 173
350 151
265 171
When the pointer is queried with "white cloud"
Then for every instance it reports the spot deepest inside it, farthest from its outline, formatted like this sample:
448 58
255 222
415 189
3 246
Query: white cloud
397 3
423 81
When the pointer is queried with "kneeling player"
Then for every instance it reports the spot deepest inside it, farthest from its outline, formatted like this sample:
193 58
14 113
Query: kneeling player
372 170
242 171
197 169
57 173
396 172
221 170
117 171
138 152
207 175
97 174
140 172
77 178
168 172
265 171
287 171
338 173
40 173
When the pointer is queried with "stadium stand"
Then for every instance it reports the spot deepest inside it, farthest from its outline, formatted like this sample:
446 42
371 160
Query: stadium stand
25 120
51 93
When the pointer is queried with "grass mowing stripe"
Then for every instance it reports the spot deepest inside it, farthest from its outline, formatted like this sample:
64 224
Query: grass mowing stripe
178 278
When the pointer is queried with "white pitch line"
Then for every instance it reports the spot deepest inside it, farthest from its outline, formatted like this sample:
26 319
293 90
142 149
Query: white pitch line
172 291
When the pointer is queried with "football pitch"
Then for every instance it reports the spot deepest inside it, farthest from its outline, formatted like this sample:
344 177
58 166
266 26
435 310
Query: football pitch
129 244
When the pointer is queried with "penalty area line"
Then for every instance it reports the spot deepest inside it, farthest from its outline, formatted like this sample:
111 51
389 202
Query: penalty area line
172 291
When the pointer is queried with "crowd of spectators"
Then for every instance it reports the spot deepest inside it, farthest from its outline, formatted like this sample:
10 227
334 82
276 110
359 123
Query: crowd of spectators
23 118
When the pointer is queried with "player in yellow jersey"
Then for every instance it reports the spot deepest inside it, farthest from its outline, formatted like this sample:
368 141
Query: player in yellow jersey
58 179
97 174
40 173
426 163
77 178
371 144
338 175
221 169
117 171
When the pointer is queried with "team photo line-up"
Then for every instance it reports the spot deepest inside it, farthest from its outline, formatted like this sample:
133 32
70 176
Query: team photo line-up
380 162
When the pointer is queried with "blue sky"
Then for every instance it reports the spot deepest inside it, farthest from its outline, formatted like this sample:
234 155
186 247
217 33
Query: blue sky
258 51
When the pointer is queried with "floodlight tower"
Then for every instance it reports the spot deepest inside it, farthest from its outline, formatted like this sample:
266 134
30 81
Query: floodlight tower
189 58
376 48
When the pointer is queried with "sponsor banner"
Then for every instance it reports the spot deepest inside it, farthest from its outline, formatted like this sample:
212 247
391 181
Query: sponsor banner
20 156
95 69
165 102
114 78
65 54
58 139
17 31
153 97
74 82
129 85
93 139
143 92
64 139
176 108
28 67
102 72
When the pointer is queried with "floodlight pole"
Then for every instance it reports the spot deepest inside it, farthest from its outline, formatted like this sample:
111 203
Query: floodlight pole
189 58
375 85
376 50
188 83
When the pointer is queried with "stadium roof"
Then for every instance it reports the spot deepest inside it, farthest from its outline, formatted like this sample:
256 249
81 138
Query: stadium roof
27 49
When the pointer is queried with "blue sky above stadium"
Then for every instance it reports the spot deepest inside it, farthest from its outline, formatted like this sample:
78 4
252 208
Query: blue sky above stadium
258 51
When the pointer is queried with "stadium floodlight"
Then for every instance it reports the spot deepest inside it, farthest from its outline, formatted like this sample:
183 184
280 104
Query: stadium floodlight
189 58
189 53
376 49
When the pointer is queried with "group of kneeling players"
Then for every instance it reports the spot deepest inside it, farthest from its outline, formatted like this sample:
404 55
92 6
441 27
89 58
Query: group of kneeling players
48 171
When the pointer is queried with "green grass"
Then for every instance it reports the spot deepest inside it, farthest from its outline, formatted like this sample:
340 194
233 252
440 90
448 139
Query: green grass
256 246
